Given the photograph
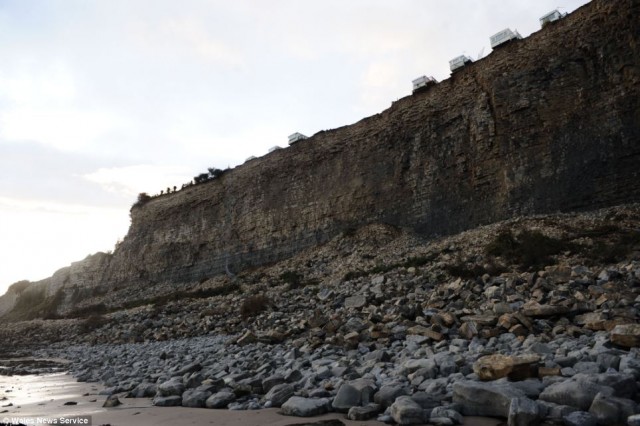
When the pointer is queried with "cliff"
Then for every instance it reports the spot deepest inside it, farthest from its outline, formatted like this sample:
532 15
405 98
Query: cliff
544 124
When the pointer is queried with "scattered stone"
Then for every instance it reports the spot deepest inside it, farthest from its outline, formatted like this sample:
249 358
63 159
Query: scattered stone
143 390
438 414
633 420
357 301
112 401
493 367
580 418
626 335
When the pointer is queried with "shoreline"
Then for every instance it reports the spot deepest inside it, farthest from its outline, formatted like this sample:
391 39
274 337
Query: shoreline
44 396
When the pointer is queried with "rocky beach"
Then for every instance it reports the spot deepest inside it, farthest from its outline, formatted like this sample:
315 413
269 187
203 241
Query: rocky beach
470 255
377 325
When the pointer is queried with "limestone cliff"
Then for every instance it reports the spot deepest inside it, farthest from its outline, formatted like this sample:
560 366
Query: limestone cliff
548 123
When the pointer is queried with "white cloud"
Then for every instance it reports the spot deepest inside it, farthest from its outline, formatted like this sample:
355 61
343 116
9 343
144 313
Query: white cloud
67 129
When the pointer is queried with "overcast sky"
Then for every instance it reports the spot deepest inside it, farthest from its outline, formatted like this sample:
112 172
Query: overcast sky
102 100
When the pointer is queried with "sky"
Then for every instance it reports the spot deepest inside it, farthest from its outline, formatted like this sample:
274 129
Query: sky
102 100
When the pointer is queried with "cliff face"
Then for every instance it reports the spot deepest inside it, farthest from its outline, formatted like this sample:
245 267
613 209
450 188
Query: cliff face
549 123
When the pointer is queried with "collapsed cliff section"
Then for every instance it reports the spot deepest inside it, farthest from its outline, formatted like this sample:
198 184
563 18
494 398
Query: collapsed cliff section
544 124
548 123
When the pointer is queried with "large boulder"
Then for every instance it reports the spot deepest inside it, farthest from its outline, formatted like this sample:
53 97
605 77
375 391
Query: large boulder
491 399
443 415
627 335
279 394
523 412
579 394
367 412
405 411
220 399
609 410
171 387
493 367
579 418
143 390
305 407
195 398
388 394
348 396
167 401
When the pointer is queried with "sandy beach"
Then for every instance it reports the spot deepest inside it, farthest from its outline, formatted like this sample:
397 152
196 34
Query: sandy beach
29 398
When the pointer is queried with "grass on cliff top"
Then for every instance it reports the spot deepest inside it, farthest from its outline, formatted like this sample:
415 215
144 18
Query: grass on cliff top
527 249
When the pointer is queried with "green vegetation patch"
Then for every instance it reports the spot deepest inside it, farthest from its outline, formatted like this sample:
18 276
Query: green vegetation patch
528 249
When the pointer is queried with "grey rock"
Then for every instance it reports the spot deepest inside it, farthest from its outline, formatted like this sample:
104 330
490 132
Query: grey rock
523 412
190 368
443 412
580 418
271 381
574 393
167 401
325 294
305 407
366 412
143 390
405 411
220 399
112 401
413 365
485 399
171 387
279 394
624 385
587 367
554 411
348 396
608 360
633 420
609 410
377 280
195 398
388 394
357 301
425 400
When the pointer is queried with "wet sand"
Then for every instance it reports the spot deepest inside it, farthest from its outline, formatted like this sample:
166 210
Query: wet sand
44 396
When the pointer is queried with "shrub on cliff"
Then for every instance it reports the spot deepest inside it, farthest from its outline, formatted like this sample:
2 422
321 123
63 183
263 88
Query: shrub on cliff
92 323
292 278
143 198
528 249
253 305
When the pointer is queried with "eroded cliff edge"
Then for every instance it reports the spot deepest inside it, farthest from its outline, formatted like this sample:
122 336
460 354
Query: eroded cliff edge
549 123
